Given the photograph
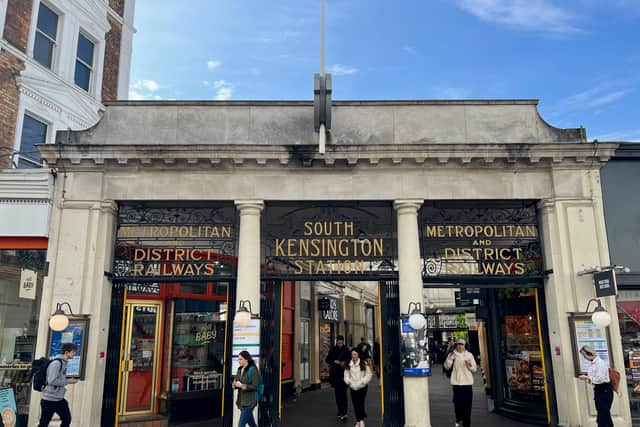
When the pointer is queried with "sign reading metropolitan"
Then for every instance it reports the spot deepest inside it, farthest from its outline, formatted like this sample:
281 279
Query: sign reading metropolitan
467 239
328 239
174 242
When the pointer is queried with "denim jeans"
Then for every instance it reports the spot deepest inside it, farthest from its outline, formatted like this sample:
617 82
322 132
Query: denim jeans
246 417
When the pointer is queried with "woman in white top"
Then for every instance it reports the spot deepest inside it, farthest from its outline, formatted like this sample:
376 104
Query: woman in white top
463 366
598 375
357 376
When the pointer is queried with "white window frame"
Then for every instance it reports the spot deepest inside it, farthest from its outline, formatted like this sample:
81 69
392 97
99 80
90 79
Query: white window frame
49 131
92 67
56 42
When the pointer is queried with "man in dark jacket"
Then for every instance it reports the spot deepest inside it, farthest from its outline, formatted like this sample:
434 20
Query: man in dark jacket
53 400
337 359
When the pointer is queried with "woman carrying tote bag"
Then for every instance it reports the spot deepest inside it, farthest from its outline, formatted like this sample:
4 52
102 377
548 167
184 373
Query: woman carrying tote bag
357 376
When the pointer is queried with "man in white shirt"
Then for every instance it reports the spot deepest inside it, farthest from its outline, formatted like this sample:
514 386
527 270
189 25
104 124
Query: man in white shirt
598 375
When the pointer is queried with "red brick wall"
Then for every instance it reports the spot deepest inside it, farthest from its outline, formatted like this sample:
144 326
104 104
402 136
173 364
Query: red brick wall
10 68
16 28
118 6
111 61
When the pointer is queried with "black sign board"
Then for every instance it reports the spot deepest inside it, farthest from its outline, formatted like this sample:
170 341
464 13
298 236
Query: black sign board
329 309
324 304
155 241
474 238
605 282
320 239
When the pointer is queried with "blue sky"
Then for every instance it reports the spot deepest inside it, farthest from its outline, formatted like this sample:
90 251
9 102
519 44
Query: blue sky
580 58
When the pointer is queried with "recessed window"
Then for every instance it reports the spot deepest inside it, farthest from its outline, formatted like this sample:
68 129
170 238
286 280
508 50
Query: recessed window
84 62
46 32
33 132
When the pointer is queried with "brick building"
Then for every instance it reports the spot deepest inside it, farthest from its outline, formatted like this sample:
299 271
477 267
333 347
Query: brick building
59 61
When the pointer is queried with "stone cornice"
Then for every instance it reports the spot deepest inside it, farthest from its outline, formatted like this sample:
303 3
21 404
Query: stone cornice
579 155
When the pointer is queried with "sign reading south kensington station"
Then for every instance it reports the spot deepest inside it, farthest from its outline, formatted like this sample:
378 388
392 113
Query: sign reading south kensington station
466 238
167 242
320 239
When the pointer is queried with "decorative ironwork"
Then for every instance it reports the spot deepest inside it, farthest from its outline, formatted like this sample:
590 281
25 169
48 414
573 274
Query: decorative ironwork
173 242
328 238
270 325
391 360
479 239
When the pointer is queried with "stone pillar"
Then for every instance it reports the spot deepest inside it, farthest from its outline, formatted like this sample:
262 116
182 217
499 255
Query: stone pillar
574 238
248 284
80 251
416 394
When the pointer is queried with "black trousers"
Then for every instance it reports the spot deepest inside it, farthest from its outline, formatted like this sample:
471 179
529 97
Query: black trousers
49 407
462 400
603 395
357 398
340 389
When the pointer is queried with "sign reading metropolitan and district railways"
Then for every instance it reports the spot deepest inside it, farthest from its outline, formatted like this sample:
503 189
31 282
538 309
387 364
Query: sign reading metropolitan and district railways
175 242
462 240
328 239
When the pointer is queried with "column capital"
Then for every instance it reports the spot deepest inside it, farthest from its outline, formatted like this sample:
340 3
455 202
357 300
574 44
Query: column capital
249 206
407 205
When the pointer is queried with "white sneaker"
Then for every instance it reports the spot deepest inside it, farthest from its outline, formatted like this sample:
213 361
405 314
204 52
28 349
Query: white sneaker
458 424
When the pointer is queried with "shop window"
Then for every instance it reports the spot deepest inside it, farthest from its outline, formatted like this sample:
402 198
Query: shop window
628 303
34 132
197 353
46 35
84 62
20 294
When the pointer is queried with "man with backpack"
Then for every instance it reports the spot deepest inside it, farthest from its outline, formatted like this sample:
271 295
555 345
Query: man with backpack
53 400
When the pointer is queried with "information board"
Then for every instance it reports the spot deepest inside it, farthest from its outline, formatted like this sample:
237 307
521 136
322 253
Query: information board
246 338
585 332
414 350
77 333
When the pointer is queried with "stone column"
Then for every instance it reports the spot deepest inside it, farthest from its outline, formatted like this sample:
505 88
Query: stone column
416 394
248 284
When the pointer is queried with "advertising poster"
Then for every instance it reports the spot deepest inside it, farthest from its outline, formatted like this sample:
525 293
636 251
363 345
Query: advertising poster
325 346
414 350
587 333
8 408
75 333
246 339
28 280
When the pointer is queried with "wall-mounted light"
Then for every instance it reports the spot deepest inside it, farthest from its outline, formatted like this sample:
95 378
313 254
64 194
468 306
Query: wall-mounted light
416 318
600 316
244 314
59 320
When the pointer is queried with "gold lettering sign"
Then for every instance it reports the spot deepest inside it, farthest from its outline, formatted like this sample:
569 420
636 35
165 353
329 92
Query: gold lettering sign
329 247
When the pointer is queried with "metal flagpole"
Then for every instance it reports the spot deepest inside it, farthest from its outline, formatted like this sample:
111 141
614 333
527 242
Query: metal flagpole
322 134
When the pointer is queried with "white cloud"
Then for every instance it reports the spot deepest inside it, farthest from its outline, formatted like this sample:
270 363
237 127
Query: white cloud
136 96
451 92
206 83
224 90
213 64
536 15
596 97
410 50
342 70
149 85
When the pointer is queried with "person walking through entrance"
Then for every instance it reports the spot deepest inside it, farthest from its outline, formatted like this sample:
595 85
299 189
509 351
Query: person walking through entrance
364 348
53 400
357 376
337 359
247 381
463 366
598 375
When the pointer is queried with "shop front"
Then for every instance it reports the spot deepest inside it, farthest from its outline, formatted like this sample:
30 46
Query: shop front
455 195
175 266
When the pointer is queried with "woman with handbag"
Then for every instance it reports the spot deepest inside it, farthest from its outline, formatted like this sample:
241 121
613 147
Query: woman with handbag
247 381
462 366
357 376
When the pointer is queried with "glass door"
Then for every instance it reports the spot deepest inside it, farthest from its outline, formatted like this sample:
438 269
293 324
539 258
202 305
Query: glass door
140 357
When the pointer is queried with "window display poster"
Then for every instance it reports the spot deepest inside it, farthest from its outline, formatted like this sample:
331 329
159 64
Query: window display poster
587 333
8 407
75 333
246 338
414 350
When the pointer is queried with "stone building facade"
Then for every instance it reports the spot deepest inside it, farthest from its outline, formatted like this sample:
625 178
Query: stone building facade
247 158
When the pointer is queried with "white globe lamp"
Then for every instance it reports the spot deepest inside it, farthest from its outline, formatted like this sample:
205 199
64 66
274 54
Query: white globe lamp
417 320
601 317
243 315
59 320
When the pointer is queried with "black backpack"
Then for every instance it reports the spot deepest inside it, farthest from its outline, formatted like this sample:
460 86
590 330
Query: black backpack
40 372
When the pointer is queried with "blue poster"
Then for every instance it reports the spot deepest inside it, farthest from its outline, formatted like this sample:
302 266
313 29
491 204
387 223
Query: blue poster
73 333
414 350
8 409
